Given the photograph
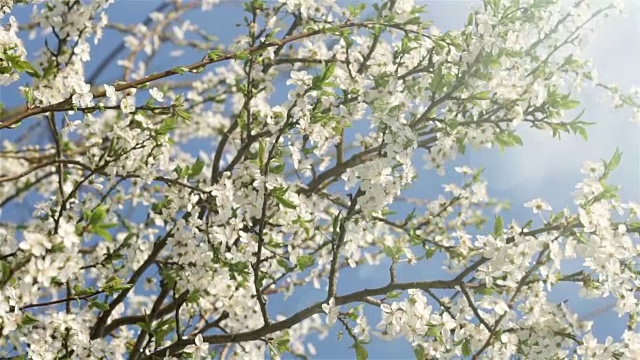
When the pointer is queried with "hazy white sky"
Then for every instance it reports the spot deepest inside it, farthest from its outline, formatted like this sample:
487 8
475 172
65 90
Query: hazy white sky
542 160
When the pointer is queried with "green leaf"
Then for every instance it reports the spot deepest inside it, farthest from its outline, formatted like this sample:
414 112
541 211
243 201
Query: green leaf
336 224
433 331
466 347
144 326
470 19
283 263
168 125
418 352
79 291
183 114
528 224
277 166
242 55
193 297
28 319
196 169
280 191
5 270
361 351
569 104
99 305
393 295
484 95
305 261
582 132
282 343
328 72
430 252
615 160
392 252
507 139
29 69
122 287
198 70
261 152
498 226
180 70
103 233
97 216
285 202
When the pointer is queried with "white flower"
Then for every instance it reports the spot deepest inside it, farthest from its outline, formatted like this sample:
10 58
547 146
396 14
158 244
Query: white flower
501 307
300 78
485 23
82 51
518 115
82 100
199 350
593 169
156 94
331 310
538 205
110 92
127 105
38 244
83 96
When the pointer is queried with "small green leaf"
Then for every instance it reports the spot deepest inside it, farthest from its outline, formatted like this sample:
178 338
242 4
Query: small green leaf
183 114
285 202
393 295
305 261
214 54
242 55
122 287
433 331
328 72
97 216
79 291
261 152
283 263
167 125
108 225
466 347
569 104
196 169
392 252
193 297
615 160
99 305
5 270
528 224
361 351
103 233
277 166
180 70
144 326
498 226
28 319
279 191
484 95
430 252
418 351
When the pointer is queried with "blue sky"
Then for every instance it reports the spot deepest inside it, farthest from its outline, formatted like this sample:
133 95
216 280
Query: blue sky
543 167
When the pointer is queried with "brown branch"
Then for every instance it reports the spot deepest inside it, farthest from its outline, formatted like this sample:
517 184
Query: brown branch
61 301
66 105
362 295
337 243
